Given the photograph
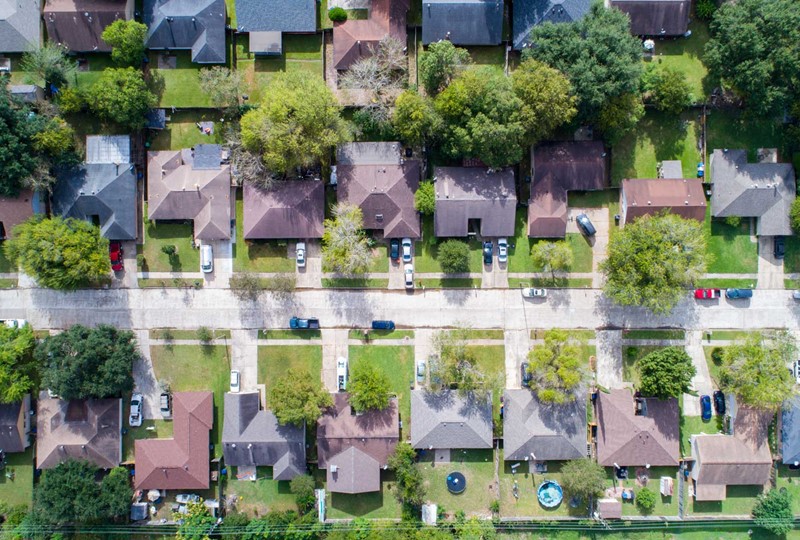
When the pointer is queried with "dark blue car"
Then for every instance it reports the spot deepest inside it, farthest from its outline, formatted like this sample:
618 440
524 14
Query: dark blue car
705 408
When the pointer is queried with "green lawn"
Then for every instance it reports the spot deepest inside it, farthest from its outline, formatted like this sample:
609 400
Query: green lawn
592 199
261 496
449 283
713 367
488 333
519 252
686 55
491 360
730 129
739 501
173 283
727 335
162 430
172 334
790 480
5 265
630 356
179 87
653 334
258 255
97 63
397 363
7 283
159 234
426 251
527 504
381 334
694 425
665 506
376 505
352 14
731 249
570 283
494 57
19 490
300 53
791 261
477 466
275 361
289 334
182 132
195 368
17 76
538 333
658 137
727 283
355 283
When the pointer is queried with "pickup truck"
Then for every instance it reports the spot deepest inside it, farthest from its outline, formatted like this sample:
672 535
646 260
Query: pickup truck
296 323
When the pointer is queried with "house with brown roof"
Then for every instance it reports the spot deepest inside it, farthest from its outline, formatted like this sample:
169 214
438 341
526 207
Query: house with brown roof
474 200
182 461
656 17
87 429
377 178
636 432
194 184
355 39
558 168
15 210
290 209
648 197
738 459
15 425
78 24
353 448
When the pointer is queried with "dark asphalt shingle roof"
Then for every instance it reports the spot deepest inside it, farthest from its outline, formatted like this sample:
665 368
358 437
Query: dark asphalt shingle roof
790 431
276 15
446 420
656 17
291 209
198 25
20 25
530 13
13 437
79 24
470 193
464 22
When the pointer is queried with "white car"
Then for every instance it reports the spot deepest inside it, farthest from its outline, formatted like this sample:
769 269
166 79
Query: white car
300 250
405 245
341 374
408 270
15 323
235 381
796 371
206 259
502 250
532 292
135 418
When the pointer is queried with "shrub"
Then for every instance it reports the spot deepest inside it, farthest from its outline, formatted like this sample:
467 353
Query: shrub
425 199
204 334
794 216
337 14
302 487
71 100
454 256
169 249
717 355
646 500
705 9
733 221
773 511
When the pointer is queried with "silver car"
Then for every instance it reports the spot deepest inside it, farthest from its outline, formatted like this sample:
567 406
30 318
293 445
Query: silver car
408 271
135 418
532 292
300 251
502 250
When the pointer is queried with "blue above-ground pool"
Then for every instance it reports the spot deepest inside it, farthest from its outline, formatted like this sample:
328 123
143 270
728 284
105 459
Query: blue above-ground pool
549 494
456 483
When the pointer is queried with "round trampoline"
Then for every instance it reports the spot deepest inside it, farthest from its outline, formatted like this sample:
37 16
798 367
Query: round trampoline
549 494
456 483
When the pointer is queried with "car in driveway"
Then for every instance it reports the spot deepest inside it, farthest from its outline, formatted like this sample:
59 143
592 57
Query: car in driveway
341 374
707 294
488 249
719 402
236 381
394 249
206 259
408 273
533 292
502 250
300 254
135 418
406 245
585 225
705 408
14 323
738 293
421 372
796 371
525 375
778 247
296 323
165 404
115 255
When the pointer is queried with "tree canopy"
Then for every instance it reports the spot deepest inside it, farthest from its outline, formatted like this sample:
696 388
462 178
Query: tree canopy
19 157
583 477
440 64
453 256
410 490
667 88
50 63
298 397
425 199
546 96
345 246
196 524
666 373
126 38
368 386
557 367
121 95
298 123
222 85
19 373
552 257
59 253
652 261
773 511
83 363
455 365
414 119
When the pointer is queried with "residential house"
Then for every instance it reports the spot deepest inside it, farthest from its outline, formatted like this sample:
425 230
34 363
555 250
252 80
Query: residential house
353 448
252 437
761 190
15 210
739 459
198 26
648 197
377 178
88 429
78 24
20 25
474 200
463 22
535 431
665 18
558 168
355 39
445 421
790 432
636 432
267 20
182 461
527 14
290 209
103 189
194 184
15 425
26 93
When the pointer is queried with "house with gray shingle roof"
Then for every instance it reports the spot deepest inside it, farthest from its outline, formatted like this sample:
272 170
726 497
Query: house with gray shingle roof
790 432
760 190
196 25
20 25
531 13
538 431
445 420
474 199
15 425
252 436
267 20
463 22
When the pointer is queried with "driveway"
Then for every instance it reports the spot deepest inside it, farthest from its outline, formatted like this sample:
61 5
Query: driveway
701 382
335 344
517 344
599 242
770 269
609 358
310 276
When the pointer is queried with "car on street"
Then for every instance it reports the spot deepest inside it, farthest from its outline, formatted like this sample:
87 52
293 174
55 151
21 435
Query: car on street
165 404
796 371
719 402
300 254
421 372
115 255
796 295
135 418
235 381
341 374
705 408
526 376
394 249
585 225
533 292
383 325
488 249
502 250
406 244
778 247
296 323
738 293
707 294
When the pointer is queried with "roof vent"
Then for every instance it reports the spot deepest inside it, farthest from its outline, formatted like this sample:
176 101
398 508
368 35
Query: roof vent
686 203
649 203
334 468
379 218
233 445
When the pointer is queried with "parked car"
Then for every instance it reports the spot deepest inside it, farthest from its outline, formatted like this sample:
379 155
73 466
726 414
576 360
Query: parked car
707 294
300 253
341 374
705 408
796 295
719 402
796 371
296 323
526 376
115 255
585 225
394 249
778 247
738 293
235 381
206 259
406 243
383 325
135 418
165 404
531 292
488 249
408 270
421 372
502 250
14 323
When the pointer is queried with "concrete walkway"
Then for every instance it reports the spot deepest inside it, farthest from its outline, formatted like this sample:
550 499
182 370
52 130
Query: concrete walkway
517 344
609 358
701 382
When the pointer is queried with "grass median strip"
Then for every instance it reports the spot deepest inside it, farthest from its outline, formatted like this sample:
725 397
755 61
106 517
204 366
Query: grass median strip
355 283
289 334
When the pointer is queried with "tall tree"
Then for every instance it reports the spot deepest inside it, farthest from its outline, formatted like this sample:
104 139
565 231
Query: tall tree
345 246
557 367
552 257
18 370
652 261
18 156
455 365
223 85
773 511
298 123
410 486
666 373
414 119
546 96
667 88
59 253
83 363
620 115
440 64
121 95
368 386
583 478
126 38
50 63
297 398
196 523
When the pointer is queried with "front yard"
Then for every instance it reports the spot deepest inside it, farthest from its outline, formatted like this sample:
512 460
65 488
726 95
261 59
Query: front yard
260 255
19 489
397 363
477 466
160 234
426 251
519 251
731 249
274 361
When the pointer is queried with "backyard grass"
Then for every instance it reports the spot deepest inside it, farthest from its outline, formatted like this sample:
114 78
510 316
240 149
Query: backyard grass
527 504
300 53
477 466
426 251
173 334
665 506
494 57
275 361
630 356
397 363
592 199
193 368
179 87
519 250
739 502
17 76
161 429
258 255
686 55
375 505
731 129
261 496
289 334
96 64
654 334
19 490
449 283
790 480
159 234
381 334
730 248
182 131
355 283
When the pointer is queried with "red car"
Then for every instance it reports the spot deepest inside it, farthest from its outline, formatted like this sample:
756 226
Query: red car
707 294
115 254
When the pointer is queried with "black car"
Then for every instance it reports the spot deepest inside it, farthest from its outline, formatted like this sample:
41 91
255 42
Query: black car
526 375
779 247
394 249
585 224
719 402
488 248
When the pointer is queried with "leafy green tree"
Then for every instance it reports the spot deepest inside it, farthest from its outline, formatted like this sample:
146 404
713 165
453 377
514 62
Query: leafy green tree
440 64
18 157
369 387
337 14
415 119
425 199
302 487
646 500
794 216
234 525
222 85
597 53
116 493
127 42
620 115
204 334
50 63
298 123
297 397
474 528
345 246
652 261
667 88
453 256
56 140
83 363
552 257
773 511
59 253
666 373
71 100
410 490
556 367
18 370
753 49
456 366
583 478
246 286
196 524
121 95
546 96
755 369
